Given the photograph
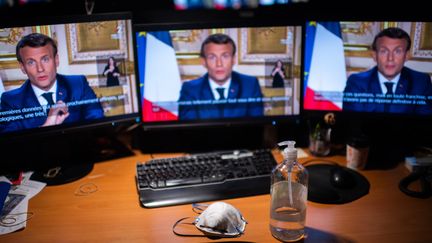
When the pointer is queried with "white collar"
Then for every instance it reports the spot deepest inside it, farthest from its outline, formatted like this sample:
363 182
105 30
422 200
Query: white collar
214 85
383 79
38 92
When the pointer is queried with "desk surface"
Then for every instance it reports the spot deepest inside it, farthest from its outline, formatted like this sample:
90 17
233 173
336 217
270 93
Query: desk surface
113 212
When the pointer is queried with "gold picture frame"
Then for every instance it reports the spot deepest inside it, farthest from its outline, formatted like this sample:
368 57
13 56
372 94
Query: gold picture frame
358 36
187 44
256 45
90 41
9 38
421 42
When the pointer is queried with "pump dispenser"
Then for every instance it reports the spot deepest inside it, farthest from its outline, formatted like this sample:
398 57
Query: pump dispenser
288 191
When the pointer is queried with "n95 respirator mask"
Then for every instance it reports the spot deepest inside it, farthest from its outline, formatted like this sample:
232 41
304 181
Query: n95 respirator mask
218 219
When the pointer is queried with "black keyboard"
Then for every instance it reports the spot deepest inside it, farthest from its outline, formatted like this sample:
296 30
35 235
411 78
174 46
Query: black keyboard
204 177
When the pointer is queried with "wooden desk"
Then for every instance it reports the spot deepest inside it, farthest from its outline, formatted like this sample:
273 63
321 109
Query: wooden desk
113 213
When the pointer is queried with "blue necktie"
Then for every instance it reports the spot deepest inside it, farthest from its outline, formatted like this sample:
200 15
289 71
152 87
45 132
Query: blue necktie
389 86
221 93
221 107
49 99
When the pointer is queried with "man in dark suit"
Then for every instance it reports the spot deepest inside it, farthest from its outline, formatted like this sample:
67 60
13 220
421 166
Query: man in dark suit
46 98
221 92
389 87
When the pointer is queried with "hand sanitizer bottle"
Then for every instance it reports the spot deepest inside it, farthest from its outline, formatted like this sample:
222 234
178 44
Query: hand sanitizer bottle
288 191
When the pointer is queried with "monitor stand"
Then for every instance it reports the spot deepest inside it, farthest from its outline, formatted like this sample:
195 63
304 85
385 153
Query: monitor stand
73 158
198 139
61 158
62 174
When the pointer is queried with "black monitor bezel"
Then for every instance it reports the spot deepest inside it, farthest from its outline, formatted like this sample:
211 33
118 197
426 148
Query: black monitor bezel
84 125
221 22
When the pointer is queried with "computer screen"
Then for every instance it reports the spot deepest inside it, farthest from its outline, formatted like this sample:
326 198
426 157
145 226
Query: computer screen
362 67
217 73
61 80
85 64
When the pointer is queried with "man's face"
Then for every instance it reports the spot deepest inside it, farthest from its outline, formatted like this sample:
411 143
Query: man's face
40 65
219 61
390 56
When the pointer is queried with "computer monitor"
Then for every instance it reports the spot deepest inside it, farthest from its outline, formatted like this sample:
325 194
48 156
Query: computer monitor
180 77
72 75
346 73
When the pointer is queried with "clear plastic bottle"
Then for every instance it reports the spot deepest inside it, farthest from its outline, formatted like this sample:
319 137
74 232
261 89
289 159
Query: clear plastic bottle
289 181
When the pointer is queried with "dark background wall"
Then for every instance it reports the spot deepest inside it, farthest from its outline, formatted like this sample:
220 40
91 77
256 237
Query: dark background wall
163 10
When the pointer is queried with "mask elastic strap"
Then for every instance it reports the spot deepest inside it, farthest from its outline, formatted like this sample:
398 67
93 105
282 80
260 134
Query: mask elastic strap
199 207
188 223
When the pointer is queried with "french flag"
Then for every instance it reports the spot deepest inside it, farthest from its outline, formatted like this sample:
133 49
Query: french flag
160 81
325 70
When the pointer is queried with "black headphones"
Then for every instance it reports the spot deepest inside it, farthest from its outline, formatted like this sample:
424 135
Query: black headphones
422 173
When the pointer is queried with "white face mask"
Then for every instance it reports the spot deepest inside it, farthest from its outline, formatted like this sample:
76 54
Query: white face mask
218 220
221 219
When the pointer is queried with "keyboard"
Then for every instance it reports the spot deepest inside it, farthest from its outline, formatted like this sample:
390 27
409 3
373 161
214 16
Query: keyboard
204 177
